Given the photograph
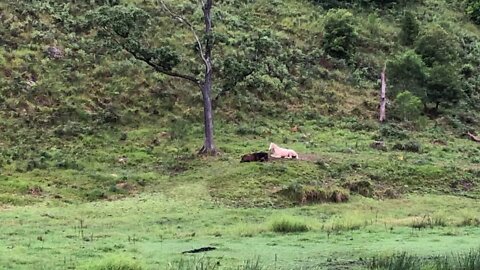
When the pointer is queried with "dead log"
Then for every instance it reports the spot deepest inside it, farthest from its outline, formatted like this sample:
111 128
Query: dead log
198 250
383 96
473 137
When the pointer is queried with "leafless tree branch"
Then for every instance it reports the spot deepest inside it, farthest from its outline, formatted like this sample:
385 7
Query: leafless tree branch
187 23
156 67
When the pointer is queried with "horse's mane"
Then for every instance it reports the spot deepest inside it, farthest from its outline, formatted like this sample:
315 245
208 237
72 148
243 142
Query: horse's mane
272 145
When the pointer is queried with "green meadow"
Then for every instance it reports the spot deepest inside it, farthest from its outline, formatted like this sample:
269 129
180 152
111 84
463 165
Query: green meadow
162 201
99 164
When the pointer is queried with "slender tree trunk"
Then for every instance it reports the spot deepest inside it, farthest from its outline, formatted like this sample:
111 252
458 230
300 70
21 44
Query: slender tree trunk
208 146
383 97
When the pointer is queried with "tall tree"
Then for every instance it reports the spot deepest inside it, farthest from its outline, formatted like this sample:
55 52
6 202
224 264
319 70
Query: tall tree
410 29
444 85
436 46
126 27
407 71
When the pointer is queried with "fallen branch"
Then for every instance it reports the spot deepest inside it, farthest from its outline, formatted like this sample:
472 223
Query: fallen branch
198 250
473 137
383 96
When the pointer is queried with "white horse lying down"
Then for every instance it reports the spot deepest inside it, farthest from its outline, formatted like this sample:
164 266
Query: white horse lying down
278 152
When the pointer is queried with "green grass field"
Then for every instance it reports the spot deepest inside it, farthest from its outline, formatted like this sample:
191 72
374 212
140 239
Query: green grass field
153 230
164 200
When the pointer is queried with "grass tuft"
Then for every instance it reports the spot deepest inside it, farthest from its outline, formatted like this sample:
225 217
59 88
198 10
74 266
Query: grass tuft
288 225
114 263
399 261
193 263
404 261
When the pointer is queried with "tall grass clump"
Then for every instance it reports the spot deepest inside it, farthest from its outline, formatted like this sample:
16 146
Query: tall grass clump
465 261
350 222
114 263
288 225
251 265
193 264
399 261
403 261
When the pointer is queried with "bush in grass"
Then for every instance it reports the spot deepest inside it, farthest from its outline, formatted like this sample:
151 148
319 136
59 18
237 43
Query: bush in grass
410 146
362 187
308 194
403 261
407 106
400 261
288 225
95 194
392 132
407 70
192 263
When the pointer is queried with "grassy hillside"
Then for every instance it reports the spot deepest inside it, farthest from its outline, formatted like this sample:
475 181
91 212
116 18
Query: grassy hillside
98 152
74 117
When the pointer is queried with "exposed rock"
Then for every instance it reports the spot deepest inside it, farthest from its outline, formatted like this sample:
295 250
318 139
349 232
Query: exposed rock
462 185
55 52
379 145
411 146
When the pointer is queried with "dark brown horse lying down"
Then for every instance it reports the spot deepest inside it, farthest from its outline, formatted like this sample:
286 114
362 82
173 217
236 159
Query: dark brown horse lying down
255 157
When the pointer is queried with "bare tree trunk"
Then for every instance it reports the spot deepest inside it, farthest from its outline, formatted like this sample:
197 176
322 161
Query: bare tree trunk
208 146
383 96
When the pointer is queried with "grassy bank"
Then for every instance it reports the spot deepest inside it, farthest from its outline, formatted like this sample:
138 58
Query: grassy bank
154 229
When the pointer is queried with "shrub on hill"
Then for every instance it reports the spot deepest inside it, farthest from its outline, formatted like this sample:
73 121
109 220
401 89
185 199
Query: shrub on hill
437 46
443 85
473 10
408 71
409 29
407 107
340 36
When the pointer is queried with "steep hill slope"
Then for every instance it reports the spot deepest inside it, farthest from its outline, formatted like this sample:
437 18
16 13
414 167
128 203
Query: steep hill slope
78 119
98 163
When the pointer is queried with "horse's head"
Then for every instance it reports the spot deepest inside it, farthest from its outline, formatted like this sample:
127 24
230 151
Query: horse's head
272 145
272 148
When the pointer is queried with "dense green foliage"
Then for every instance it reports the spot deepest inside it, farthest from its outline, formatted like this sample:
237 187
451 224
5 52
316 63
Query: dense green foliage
473 10
443 85
407 106
407 71
410 29
340 36
437 46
